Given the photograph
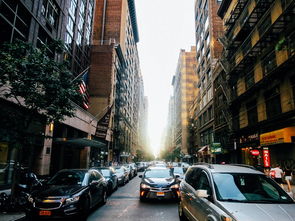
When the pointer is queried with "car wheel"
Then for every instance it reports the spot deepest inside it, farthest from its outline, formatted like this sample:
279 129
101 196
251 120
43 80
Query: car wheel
117 185
85 208
104 197
142 199
181 215
110 189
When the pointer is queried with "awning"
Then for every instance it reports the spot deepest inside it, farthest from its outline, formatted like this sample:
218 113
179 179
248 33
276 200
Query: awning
81 142
206 147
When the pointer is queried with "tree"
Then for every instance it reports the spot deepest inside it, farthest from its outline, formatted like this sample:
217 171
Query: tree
40 86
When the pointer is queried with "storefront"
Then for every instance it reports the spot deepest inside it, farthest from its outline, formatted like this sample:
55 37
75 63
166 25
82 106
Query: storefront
204 154
251 152
281 146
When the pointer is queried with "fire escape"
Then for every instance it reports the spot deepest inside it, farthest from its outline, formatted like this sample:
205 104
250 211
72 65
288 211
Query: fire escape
121 122
254 31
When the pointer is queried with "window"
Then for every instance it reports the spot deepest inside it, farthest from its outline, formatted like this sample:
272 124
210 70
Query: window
292 80
192 177
72 9
273 102
252 112
70 26
269 63
210 94
51 12
206 23
249 80
210 113
13 13
203 183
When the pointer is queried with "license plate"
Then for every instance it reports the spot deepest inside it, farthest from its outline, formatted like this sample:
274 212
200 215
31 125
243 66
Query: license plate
160 194
44 213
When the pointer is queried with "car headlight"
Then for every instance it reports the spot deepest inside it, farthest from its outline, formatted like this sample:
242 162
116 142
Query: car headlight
72 199
31 199
175 186
145 186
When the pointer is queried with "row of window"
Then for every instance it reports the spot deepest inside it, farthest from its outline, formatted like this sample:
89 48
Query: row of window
205 117
272 99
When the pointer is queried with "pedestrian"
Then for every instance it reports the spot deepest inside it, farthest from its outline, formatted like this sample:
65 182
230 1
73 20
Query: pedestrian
278 174
267 171
288 178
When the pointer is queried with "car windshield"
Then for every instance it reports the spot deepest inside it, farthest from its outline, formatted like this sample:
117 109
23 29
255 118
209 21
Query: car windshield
105 172
178 170
165 173
68 178
248 188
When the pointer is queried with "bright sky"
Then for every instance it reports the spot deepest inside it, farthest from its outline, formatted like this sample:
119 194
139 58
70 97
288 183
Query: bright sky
165 27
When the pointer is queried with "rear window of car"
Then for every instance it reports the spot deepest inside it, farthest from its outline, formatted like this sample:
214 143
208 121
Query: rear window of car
105 172
165 173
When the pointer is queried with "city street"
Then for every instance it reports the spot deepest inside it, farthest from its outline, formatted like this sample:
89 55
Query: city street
124 204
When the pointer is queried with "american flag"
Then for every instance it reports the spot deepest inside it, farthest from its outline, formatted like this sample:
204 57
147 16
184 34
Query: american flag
83 88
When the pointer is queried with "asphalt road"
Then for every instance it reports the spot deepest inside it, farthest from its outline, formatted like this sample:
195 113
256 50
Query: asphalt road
124 205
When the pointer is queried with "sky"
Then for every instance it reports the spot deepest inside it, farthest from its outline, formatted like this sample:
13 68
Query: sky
165 27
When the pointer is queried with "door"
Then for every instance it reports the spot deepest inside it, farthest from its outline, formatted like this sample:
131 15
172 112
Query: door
187 191
200 207
94 188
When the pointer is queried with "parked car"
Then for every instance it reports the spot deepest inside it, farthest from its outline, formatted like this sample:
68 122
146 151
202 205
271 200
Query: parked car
130 170
141 166
158 183
178 171
230 192
6 172
134 168
110 175
122 174
70 192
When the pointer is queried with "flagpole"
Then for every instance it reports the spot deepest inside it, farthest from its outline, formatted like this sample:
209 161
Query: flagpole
79 75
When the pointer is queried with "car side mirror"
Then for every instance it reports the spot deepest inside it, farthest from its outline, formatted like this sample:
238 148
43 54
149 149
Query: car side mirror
202 194
140 176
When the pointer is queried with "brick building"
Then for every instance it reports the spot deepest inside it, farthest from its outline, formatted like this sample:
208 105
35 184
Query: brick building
115 77
258 61
208 27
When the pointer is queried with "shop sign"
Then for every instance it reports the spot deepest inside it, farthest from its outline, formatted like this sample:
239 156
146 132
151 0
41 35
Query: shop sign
266 158
216 148
278 136
255 152
249 138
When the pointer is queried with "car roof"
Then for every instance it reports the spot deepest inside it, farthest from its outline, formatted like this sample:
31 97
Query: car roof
100 168
228 168
74 170
158 168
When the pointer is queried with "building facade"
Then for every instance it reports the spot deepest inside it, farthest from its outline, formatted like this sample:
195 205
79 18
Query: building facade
208 28
115 77
184 92
258 60
41 22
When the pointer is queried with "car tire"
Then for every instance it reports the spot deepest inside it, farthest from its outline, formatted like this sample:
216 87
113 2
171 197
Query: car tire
181 214
109 189
104 197
142 199
117 185
85 209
